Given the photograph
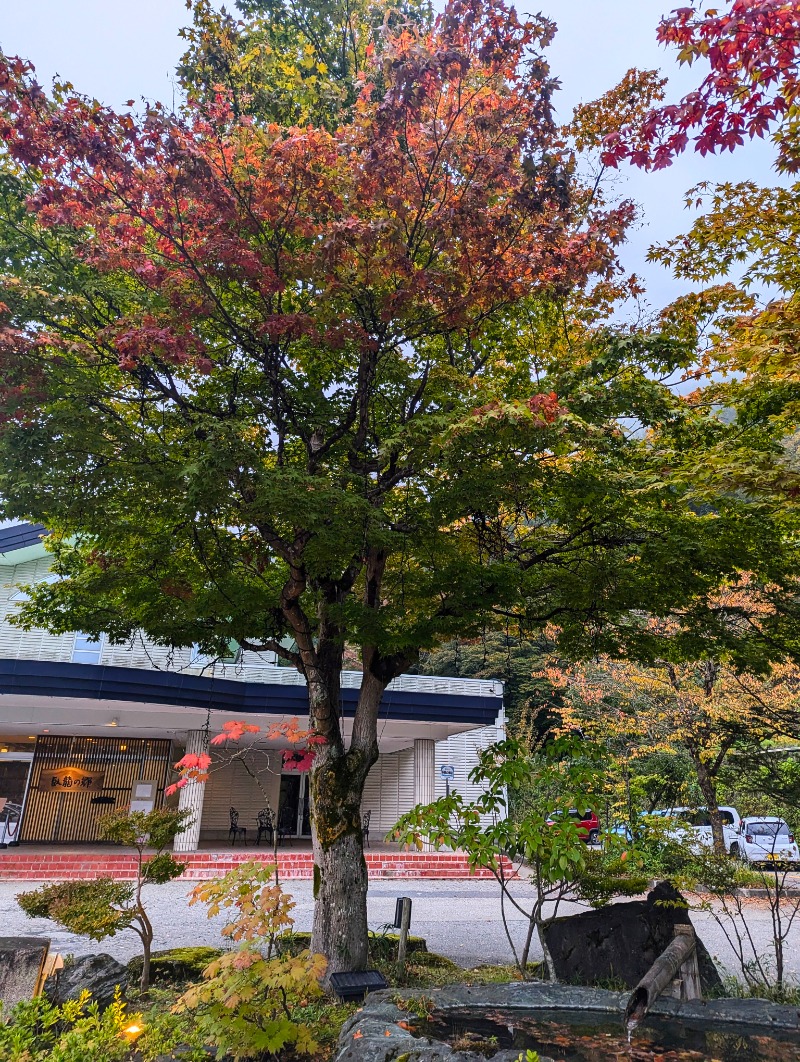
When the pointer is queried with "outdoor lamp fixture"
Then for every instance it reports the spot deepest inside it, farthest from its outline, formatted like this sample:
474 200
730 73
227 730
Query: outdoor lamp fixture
132 1032
114 721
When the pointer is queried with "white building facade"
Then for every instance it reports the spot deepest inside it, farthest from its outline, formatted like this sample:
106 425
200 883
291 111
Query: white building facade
87 726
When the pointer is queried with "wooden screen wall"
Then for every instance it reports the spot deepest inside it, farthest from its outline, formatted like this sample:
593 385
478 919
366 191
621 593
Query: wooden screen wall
63 818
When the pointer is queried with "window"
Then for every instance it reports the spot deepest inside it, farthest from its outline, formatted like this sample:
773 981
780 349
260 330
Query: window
767 829
201 659
86 649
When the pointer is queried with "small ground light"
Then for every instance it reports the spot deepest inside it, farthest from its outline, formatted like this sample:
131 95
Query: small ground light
133 1031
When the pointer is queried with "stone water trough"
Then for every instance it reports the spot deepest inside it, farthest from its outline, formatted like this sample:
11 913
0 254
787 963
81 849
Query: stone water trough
647 945
386 1029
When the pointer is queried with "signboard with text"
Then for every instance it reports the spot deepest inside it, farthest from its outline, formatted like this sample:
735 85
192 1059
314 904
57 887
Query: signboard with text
71 780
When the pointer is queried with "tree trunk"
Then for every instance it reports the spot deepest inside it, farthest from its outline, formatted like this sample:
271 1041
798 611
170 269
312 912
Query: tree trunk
708 788
340 870
147 941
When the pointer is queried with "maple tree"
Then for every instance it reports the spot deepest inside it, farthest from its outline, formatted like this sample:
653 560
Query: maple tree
542 837
752 48
248 999
309 388
708 707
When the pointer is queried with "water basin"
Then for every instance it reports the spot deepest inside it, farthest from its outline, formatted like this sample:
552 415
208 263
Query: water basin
575 1036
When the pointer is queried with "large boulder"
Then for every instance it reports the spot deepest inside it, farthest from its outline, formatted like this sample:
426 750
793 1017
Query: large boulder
619 943
98 974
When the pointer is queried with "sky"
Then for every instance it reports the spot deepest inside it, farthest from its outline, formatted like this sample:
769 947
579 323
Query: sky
115 51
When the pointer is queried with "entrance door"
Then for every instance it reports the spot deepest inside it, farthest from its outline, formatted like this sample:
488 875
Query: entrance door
293 806
13 787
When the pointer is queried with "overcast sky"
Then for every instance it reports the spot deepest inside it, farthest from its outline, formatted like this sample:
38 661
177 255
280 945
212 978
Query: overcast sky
117 50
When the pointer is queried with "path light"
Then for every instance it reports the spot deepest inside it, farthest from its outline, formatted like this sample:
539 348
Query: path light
132 1032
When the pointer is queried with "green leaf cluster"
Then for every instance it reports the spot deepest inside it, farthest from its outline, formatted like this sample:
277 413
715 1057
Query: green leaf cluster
96 909
288 61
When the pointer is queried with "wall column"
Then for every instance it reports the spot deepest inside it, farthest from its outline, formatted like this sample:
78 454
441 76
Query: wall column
191 797
424 775
424 771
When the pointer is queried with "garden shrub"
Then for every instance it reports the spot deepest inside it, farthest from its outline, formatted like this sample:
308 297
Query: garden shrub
76 1031
101 908
251 1001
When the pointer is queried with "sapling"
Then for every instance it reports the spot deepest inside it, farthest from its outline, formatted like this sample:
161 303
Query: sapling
542 837
101 908
248 1001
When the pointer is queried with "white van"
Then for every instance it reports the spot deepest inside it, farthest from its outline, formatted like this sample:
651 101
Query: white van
766 839
694 824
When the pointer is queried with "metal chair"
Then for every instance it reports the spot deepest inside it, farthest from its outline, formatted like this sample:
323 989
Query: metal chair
265 821
365 826
236 830
287 822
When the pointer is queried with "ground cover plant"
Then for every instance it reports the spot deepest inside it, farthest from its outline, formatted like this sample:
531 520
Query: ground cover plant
104 906
39 1031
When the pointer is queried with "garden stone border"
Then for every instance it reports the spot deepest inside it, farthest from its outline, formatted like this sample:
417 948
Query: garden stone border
374 1034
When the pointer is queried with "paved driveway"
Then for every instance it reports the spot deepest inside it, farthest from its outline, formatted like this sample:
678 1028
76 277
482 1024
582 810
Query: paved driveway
459 919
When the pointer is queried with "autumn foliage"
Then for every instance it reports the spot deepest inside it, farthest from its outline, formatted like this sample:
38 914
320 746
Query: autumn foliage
752 49
196 766
458 153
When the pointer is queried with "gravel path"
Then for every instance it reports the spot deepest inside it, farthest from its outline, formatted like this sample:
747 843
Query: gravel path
459 919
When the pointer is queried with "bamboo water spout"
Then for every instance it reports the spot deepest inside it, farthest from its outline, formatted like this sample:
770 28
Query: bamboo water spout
675 972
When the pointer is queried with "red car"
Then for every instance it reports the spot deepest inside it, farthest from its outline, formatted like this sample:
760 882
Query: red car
588 824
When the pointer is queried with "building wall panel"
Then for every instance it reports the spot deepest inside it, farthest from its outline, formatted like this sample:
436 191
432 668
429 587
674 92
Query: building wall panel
230 785
63 818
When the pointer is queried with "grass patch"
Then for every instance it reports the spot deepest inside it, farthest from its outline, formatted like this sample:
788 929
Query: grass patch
732 987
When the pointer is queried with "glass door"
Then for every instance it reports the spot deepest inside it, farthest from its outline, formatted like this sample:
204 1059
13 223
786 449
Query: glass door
15 769
293 809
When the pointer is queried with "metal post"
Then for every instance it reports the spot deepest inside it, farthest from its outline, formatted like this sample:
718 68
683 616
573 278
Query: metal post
405 922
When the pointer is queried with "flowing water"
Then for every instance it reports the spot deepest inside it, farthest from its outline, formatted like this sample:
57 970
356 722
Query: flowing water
578 1036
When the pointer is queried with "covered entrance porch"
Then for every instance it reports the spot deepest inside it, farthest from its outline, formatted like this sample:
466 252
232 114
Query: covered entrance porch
103 737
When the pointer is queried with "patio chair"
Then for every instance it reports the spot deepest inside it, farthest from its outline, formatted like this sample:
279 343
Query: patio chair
266 825
236 830
365 826
287 822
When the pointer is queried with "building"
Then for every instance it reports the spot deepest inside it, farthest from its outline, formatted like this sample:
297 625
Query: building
86 726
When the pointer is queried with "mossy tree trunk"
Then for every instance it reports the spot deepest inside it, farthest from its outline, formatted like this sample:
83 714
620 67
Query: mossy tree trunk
340 870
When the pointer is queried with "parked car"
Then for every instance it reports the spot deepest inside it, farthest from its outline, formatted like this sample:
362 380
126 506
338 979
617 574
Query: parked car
588 823
694 825
765 839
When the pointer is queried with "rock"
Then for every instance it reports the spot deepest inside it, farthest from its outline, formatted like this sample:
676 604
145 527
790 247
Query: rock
98 974
619 943
21 961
